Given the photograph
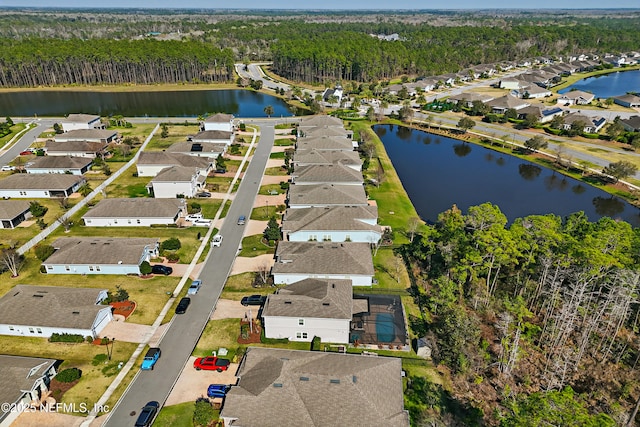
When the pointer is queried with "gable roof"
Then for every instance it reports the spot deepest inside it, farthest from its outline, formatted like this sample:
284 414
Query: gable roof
629 97
336 218
80 118
99 250
212 134
169 159
325 143
471 96
575 117
74 146
633 122
175 173
60 162
219 118
508 101
325 131
326 173
86 135
204 147
139 207
18 374
9 209
319 298
575 94
40 181
327 194
51 306
287 388
326 157
323 258
320 120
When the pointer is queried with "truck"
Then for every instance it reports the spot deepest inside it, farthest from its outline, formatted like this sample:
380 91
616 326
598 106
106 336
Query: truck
150 359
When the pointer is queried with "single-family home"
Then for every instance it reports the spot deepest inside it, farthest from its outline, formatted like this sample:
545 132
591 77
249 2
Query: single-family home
336 92
39 311
287 388
60 164
535 110
81 121
447 79
576 97
531 91
176 181
100 255
591 124
632 124
549 113
296 261
628 100
395 89
323 131
150 163
213 137
326 143
326 195
92 135
76 149
310 157
198 149
34 186
507 102
425 85
310 308
134 212
13 212
512 84
326 174
336 224
24 383
320 120
467 98
219 121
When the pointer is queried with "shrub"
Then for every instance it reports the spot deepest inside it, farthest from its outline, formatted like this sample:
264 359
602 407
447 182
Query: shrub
172 244
44 251
203 413
69 375
145 268
40 223
37 209
315 344
99 359
194 207
55 337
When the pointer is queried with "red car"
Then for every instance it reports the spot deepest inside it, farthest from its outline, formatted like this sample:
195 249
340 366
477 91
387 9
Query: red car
211 363
26 153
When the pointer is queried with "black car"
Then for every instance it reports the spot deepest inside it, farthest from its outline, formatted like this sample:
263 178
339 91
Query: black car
221 170
182 306
161 269
253 300
203 194
147 414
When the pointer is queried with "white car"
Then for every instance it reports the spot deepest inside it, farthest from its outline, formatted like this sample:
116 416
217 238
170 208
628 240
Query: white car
194 217
216 241
201 222
7 168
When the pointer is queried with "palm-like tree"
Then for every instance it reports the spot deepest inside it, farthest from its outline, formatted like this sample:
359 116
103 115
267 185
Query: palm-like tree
268 110
85 189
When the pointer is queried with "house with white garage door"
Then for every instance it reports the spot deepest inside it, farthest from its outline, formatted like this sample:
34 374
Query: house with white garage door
150 163
82 121
219 121
176 181
34 186
39 311
135 212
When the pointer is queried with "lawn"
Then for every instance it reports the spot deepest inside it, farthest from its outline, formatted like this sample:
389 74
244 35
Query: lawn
267 189
277 155
96 377
129 184
17 127
253 246
180 415
276 171
219 184
284 142
177 133
390 270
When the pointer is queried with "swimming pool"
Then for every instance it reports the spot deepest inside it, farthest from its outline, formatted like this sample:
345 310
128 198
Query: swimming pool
385 329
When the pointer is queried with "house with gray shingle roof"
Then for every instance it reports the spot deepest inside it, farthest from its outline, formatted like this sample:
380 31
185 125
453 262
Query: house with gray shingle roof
591 124
297 261
198 149
81 121
309 132
33 186
504 103
39 311
310 308
320 120
323 174
337 224
632 124
75 149
628 100
327 157
468 97
13 212
218 121
213 137
150 163
100 255
60 164
23 381
325 143
292 388
92 135
176 181
576 97
324 195
134 212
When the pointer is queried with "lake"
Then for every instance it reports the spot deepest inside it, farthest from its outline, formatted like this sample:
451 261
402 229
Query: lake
240 103
608 85
438 172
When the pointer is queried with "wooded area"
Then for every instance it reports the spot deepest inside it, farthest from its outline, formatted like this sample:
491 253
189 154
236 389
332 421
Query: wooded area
538 305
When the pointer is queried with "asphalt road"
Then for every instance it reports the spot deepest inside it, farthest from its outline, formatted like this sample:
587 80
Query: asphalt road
26 140
185 330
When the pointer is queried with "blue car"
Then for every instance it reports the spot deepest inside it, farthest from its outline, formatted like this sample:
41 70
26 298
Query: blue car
218 390
150 358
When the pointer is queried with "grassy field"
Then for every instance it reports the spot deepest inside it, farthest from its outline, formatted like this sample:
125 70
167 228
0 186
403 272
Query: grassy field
276 171
180 415
17 127
266 190
253 246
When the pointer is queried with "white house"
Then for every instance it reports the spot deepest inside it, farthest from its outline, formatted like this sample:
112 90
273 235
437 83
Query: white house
576 97
329 92
322 174
326 143
100 255
467 98
327 157
591 124
13 212
60 164
319 120
213 137
335 224
315 388
76 149
90 135
34 186
176 181
297 261
39 311
198 149
24 381
82 121
310 308
134 212
219 121
326 195
150 163
504 103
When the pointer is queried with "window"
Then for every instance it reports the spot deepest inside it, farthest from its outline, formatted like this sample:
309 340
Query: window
138 221
67 268
11 328
31 331
49 267
97 268
91 268
326 237
39 330
128 221
115 221
301 335
301 322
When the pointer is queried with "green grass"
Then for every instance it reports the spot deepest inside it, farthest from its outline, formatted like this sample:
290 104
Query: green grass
17 127
236 284
266 189
282 142
253 246
180 415
276 171
388 268
176 134
219 184
277 155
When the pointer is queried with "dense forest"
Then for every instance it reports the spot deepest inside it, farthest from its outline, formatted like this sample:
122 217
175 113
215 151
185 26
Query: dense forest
538 321
100 47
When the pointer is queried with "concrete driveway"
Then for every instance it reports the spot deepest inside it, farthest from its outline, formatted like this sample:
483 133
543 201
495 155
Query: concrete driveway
132 332
244 264
193 384
230 309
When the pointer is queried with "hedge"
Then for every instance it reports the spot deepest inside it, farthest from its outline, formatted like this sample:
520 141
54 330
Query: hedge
69 375
55 337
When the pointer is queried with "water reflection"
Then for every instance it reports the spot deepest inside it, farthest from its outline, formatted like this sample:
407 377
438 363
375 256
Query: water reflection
462 149
578 189
608 206
528 171
556 182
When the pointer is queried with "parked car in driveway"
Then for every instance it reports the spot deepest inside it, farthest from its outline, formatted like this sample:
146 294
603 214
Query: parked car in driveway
194 287
211 363
161 269
194 217
26 153
218 390
147 414
150 359
6 168
182 306
253 300
203 194
201 222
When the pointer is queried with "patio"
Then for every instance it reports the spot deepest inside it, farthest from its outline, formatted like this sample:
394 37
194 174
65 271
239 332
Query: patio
381 323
